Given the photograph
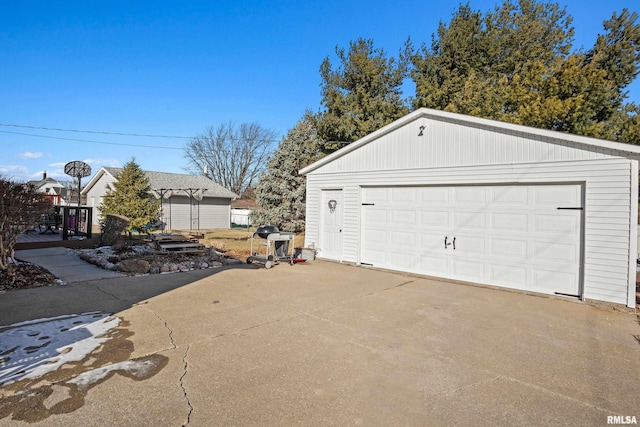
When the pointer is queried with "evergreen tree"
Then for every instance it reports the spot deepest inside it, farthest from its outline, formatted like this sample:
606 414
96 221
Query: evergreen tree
281 192
129 196
361 95
515 64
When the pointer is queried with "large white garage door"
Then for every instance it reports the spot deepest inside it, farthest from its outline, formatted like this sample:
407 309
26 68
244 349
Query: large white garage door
518 236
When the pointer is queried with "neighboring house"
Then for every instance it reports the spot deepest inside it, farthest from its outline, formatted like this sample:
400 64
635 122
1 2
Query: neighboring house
476 200
189 202
240 211
54 190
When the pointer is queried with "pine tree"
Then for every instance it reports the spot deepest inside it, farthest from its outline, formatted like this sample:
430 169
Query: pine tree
363 94
515 64
281 192
130 197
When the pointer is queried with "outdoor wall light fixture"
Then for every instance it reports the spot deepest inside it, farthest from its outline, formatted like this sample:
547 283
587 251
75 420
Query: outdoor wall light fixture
421 129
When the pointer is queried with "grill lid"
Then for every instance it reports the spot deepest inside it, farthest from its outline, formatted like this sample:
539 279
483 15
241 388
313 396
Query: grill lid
264 230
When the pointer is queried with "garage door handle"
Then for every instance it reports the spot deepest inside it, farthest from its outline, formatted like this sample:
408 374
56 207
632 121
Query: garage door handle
453 242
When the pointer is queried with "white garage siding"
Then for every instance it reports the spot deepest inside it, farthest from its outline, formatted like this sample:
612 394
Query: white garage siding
457 143
608 191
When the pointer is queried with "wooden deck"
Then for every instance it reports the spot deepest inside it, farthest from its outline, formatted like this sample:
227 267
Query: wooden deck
36 240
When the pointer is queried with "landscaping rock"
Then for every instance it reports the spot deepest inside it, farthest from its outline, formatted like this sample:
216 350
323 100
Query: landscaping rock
135 266
128 259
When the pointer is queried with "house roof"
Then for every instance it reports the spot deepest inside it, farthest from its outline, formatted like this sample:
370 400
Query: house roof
172 181
462 119
244 204
47 181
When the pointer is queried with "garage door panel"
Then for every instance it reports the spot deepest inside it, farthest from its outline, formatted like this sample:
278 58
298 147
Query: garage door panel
475 196
469 245
510 197
405 261
434 266
404 195
403 218
554 281
509 248
513 276
469 220
434 196
375 256
375 237
403 239
468 270
376 217
557 195
431 242
434 219
554 252
506 235
511 222
376 195
554 224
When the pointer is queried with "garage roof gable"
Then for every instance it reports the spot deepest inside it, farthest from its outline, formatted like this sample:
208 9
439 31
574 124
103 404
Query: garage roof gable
492 125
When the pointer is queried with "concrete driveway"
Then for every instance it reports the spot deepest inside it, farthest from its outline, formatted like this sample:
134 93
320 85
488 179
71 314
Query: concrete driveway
328 344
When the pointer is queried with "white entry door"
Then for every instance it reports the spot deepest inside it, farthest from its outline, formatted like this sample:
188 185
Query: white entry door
331 225
526 237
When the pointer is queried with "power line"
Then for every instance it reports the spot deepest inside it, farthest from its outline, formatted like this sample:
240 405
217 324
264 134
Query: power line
93 142
95 131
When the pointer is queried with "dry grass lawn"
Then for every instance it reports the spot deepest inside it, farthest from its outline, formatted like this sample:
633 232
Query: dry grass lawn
235 242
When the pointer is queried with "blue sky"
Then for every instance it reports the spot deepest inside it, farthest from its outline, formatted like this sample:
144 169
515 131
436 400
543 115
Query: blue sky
174 68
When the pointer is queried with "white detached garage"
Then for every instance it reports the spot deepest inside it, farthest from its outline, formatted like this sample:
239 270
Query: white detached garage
482 201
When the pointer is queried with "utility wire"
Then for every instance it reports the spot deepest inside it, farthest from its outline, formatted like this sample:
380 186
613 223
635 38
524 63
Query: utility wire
93 142
95 131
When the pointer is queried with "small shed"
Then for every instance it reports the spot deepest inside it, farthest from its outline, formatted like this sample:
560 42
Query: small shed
189 202
475 200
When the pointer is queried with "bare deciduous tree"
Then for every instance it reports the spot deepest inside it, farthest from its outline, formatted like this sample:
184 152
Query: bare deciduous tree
233 156
21 207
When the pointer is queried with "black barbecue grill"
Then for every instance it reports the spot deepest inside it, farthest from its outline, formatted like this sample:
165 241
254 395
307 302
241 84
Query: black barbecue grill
269 246
264 230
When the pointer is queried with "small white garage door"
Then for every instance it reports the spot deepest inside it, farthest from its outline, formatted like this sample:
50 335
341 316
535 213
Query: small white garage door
518 236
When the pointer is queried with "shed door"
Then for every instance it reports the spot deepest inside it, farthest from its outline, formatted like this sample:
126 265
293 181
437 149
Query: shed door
526 237
331 230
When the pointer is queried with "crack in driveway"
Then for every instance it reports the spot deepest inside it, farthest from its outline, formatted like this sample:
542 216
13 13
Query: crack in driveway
112 295
184 389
